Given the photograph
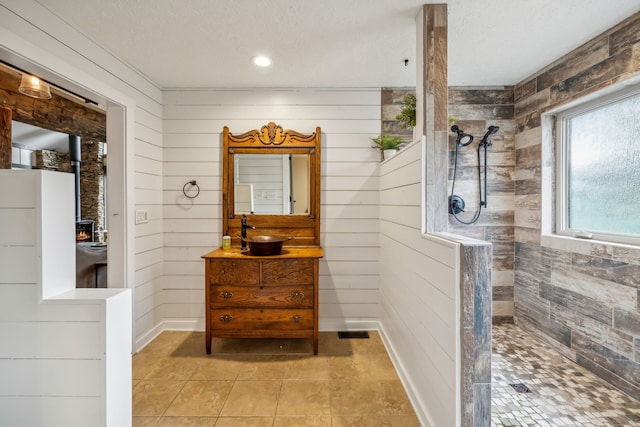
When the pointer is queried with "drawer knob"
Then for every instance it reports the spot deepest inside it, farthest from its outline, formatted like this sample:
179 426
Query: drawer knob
297 294
226 318
296 318
222 271
226 294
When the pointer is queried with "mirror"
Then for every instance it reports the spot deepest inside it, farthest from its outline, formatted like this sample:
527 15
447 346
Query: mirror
271 184
272 176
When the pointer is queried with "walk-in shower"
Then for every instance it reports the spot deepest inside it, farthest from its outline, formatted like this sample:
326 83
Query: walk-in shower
456 203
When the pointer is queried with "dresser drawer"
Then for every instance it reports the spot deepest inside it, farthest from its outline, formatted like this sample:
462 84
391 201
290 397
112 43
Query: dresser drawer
231 272
227 319
262 296
288 272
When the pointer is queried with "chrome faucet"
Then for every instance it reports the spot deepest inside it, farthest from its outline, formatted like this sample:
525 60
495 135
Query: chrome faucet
244 227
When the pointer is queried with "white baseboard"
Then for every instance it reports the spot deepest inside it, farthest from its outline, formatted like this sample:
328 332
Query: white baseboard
167 325
331 325
184 325
198 325
146 338
405 378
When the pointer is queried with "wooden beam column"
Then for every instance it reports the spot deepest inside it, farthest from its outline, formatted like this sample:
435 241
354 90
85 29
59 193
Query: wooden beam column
5 137
58 114
432 120
431 110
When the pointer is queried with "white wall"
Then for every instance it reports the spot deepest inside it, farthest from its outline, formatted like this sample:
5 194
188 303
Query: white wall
349 192
418 292
416 304
35 39
59 365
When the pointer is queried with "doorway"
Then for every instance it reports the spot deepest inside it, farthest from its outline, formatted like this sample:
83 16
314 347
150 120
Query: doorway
118 111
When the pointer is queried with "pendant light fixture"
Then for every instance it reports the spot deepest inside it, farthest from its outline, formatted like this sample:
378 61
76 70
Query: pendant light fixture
34 87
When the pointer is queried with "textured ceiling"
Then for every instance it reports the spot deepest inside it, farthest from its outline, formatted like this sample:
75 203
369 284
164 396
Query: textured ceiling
333 43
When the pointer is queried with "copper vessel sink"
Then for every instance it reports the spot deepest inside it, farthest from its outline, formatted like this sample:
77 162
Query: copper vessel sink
265 245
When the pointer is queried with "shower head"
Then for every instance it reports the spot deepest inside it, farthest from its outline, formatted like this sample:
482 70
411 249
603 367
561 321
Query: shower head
490 131
463 139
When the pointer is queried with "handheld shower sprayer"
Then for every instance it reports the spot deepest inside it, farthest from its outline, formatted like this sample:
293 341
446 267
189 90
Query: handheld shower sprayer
490 131
456 203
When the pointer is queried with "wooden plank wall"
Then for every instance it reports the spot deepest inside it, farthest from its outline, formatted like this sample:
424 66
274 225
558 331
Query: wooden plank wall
5 137
581 296
392 103
476 109
349 192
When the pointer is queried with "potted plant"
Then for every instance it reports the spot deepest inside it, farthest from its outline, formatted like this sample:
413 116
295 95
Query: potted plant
407 115
387 145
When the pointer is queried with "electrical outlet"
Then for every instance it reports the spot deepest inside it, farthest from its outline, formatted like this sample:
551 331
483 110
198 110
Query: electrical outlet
142 216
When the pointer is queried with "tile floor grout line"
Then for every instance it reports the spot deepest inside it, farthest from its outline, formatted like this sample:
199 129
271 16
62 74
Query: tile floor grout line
564 393
275 409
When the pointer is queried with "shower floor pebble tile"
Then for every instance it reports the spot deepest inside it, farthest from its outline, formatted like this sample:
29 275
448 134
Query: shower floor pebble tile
562 393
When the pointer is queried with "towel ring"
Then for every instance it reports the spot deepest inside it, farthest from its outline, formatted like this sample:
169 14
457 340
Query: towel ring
192 184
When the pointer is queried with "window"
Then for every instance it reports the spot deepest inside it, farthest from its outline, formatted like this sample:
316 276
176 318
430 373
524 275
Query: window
598 169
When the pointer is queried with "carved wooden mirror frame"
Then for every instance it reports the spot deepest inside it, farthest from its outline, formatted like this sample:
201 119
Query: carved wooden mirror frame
272 139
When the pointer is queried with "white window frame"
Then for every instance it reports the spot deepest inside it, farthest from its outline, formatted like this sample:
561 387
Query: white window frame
561 167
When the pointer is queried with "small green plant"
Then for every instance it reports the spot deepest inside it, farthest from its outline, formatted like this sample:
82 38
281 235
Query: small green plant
385 142
407 115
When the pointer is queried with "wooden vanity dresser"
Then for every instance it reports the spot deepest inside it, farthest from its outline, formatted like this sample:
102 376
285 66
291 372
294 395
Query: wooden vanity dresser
267 296
262 296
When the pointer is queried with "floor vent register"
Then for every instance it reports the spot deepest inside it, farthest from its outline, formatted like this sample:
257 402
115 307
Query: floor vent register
353 334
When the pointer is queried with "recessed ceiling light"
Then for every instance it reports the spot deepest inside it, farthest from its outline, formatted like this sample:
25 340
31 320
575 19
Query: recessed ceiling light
261 61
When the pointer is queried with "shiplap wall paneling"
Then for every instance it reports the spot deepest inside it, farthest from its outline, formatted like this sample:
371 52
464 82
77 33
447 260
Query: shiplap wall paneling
57 341
149 257
35 33
349 186
417 292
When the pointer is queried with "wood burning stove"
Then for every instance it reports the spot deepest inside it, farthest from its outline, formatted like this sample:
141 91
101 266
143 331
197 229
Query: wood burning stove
84 230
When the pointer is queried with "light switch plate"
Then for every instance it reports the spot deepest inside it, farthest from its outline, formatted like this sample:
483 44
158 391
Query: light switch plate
142 216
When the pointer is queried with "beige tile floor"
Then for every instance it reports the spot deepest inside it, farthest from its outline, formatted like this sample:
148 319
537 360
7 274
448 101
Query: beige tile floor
352 383
276 383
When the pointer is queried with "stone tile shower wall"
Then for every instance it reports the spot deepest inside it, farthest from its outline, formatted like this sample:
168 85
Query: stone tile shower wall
391 104
476 110
582 299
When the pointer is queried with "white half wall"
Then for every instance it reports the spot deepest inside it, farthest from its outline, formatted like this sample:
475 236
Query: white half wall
65 358
419 298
